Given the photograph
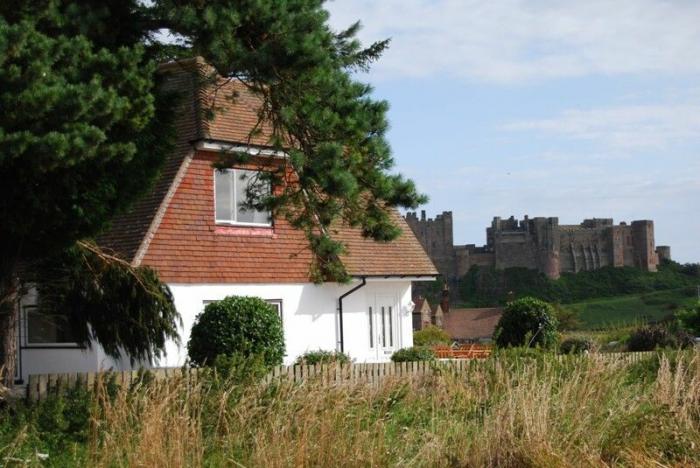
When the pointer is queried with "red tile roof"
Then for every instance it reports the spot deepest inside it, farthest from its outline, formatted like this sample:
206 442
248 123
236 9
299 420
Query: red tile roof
470 324
173 229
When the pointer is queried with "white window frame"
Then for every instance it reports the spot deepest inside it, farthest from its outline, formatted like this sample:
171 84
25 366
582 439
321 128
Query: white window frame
276 303
234 201
29 344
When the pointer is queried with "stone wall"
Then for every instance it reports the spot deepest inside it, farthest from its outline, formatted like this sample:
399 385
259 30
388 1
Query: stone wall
541 244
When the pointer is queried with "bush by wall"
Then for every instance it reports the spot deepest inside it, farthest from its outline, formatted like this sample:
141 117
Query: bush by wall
312 358
527 322
415 353
237 326
431 335
576 345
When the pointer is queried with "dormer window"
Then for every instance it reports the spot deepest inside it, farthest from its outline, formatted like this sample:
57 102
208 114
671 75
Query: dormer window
231 188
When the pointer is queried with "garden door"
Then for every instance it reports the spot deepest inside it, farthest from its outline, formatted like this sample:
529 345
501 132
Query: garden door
384 326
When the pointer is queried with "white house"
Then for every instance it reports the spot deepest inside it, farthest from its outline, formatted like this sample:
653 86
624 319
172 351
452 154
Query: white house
192 229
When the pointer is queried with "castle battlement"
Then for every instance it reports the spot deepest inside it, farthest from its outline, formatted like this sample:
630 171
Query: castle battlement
541 243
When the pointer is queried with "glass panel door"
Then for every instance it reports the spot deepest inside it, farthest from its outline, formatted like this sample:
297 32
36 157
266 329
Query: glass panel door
384 321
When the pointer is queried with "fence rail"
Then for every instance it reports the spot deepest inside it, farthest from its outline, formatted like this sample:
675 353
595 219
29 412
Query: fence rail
40 386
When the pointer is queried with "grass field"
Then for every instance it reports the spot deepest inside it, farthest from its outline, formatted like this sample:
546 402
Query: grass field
507 411
631 310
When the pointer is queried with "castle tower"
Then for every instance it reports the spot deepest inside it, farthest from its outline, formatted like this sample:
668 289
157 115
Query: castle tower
435 235
643 246
663 252
548 242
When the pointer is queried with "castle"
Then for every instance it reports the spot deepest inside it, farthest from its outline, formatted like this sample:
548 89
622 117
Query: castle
541 244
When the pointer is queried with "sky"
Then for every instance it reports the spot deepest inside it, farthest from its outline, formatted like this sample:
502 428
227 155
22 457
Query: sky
543 108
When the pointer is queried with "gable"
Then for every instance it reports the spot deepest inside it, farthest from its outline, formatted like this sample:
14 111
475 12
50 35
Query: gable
190 247
173 228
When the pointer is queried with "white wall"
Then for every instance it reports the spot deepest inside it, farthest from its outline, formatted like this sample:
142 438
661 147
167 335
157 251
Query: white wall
310 320
310 316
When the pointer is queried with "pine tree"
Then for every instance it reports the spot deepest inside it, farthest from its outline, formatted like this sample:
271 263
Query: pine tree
84 128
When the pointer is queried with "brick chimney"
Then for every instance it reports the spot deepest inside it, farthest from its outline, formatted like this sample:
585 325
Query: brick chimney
445 301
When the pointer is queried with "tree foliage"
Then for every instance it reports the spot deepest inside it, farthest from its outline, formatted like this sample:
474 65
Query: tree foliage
690 319
527 322
485 286
104 299
327 121
237 326
431 335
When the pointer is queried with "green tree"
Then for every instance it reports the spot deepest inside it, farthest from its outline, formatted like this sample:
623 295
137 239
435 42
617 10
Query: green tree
690 319
105 299
237 326
84 127
431 335
527 322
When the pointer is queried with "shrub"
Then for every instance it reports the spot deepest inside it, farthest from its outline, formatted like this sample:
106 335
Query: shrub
576 345
527 322
414 353
431 335
237 326
567 318
322 357
658 336
690 319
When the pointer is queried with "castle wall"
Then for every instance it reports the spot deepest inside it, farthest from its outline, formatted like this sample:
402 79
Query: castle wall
514 249
585 249
541 244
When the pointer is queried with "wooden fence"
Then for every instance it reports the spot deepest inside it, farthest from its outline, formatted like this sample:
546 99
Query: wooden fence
42 385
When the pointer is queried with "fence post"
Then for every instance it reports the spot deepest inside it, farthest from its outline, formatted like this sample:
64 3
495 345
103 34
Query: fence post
41 393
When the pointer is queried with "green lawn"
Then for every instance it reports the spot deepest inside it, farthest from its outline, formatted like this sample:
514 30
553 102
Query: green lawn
627 310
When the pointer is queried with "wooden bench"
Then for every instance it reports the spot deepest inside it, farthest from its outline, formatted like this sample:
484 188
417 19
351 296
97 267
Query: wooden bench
468 351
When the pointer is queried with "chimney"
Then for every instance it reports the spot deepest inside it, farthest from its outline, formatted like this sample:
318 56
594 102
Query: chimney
422 215
445 301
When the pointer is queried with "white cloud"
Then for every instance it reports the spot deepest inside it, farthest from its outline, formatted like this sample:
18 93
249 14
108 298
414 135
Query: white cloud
527 40
624 127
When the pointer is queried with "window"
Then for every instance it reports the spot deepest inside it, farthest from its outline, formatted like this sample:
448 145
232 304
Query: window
47 328
275 303
371 329
231 189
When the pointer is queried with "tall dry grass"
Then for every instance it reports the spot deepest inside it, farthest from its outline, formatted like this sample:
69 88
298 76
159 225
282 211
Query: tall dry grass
507 412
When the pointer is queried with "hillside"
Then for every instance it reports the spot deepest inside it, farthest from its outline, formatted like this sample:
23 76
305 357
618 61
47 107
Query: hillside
621 311
486 287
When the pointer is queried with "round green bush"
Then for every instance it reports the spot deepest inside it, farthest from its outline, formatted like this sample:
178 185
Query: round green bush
576 345
527 322
431 335
312 358
690 319
237 326
415 353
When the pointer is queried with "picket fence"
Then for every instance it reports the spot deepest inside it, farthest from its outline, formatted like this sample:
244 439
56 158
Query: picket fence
40 386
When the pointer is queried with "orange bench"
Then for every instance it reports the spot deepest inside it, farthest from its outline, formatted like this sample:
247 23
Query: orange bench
470 351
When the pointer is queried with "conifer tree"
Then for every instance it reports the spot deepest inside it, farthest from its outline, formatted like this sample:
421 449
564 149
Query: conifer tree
84 128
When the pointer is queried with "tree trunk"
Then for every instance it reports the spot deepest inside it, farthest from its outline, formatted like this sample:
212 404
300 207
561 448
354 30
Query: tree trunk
9 318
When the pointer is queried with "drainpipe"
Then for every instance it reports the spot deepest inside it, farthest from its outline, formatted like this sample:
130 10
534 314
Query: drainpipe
340 311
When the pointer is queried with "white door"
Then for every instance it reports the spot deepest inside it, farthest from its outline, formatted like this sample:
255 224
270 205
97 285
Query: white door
384 333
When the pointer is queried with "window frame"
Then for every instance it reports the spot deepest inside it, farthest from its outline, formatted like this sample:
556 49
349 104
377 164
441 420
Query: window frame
273 302
234 202
35 345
